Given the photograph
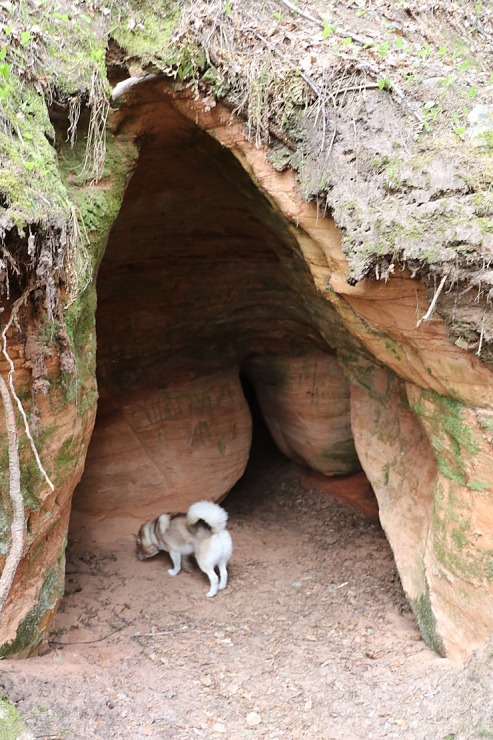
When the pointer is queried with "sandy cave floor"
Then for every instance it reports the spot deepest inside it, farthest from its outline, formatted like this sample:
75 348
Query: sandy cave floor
312 638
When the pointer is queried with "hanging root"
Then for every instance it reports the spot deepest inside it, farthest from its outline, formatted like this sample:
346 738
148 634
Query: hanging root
429 313
96 134
481 336
13 315
17 526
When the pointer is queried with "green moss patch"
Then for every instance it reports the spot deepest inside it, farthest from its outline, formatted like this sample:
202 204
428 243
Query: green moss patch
12 726
427 623
28 636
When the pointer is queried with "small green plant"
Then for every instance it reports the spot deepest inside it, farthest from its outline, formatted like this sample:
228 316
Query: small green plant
328 28
5 71
483 732
384 83
384 49
227 9
426 51
26 37
430 113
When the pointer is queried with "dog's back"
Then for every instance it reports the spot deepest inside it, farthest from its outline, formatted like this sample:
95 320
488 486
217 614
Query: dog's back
216 549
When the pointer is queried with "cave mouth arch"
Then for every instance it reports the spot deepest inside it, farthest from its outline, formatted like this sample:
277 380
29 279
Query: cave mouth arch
203 280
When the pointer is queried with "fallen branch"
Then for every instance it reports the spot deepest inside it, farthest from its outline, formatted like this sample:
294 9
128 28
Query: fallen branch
17 526
338 30
87 642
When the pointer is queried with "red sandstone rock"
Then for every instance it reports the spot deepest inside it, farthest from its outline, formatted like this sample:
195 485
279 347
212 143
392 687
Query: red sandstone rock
160 450
305 404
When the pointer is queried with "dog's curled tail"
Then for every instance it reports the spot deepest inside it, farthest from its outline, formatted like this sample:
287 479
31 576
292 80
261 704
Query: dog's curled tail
210 513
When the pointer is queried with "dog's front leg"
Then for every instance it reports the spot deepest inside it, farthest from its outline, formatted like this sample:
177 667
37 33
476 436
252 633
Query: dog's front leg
176 558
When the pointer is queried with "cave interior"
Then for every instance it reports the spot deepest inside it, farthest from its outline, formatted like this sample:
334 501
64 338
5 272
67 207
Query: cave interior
202 293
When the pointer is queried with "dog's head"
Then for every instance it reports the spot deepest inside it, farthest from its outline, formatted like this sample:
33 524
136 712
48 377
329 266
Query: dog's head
145 541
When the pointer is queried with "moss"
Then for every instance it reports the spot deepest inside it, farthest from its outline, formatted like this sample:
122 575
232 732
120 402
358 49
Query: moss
451 469
66 457
483 203
488 566
427 623
279 157
12 725
453 538
97 207
341 461
31 478
450 437
36 553
476 485
30 184
392 347
80 320
148 40
28 635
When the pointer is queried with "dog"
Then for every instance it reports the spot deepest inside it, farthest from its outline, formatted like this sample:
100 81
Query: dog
200 532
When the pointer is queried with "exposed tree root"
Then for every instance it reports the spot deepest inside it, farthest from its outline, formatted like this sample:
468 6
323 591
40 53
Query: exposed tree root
13 315
17 526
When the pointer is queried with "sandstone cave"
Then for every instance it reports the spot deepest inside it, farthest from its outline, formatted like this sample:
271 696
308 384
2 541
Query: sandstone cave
246 248
212 266
202 280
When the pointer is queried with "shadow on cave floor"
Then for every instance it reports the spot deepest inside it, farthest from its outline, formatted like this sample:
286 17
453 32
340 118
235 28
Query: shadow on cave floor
311 638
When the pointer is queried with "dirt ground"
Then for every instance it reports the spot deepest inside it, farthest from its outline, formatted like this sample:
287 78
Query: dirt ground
311 639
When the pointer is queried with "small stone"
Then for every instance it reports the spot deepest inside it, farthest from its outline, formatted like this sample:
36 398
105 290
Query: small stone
253 719
218 727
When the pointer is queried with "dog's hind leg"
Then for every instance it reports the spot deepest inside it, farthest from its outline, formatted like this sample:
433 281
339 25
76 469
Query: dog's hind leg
176 558
223 576
211 574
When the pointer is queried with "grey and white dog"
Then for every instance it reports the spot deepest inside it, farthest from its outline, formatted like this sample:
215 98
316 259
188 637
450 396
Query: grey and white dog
200 532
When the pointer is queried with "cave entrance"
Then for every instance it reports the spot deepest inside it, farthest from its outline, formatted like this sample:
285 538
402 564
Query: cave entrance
202 280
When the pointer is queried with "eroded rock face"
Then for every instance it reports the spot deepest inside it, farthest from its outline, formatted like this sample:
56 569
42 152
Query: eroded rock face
215 265
161 450
305 404
61 430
